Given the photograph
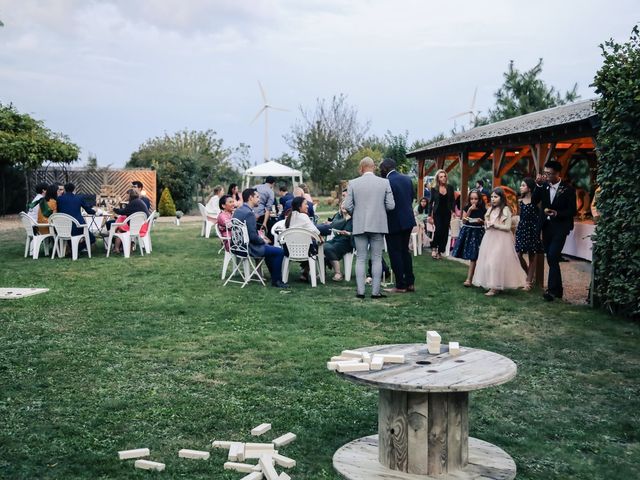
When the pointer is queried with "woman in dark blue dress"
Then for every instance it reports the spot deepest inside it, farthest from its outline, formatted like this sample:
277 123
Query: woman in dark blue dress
471 233
528 232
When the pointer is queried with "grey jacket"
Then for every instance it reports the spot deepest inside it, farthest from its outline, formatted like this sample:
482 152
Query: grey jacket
368 199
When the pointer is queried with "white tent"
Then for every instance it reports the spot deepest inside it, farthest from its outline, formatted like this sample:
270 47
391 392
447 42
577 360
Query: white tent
274 169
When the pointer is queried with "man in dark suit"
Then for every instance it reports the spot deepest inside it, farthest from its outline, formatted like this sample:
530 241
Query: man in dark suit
70 203
258 246
558 207
401 221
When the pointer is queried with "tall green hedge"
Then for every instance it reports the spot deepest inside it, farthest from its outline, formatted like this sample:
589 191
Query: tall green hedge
617 247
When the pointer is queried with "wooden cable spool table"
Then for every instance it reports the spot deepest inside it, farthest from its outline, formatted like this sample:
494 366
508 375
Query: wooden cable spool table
423 424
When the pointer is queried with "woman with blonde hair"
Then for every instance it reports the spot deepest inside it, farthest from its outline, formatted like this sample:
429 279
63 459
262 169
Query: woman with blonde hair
441 209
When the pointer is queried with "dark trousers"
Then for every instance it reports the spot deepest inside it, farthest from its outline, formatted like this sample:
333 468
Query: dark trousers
273 258
441 234
553 240
401 261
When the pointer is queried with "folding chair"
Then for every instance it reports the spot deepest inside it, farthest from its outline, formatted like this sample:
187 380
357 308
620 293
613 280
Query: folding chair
246 265
35 240
228 256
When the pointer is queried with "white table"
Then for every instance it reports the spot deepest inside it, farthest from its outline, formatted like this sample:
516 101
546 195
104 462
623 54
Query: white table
579 242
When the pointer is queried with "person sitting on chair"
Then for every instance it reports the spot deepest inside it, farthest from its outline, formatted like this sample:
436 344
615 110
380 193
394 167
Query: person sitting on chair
139 187
341 243
258 246
298 218
135 205
70 203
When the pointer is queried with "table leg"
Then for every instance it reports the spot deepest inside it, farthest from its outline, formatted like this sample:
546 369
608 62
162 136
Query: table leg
423 433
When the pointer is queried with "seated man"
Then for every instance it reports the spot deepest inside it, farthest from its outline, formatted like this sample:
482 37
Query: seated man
297 192
139 187
258 246
70 203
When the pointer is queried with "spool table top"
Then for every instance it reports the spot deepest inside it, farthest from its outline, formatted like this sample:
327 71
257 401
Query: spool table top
472 369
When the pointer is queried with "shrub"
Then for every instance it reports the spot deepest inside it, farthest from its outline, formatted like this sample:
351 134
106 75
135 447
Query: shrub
616 253
166 207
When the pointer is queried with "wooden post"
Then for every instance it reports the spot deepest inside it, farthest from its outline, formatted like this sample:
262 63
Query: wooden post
498 157
540 153
420 178
464 178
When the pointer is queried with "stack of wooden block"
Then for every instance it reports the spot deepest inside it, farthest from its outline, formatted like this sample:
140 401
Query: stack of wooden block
357 361
433 344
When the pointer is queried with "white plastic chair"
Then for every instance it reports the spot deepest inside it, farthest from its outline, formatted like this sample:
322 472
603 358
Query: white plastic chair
298 241
246 265
146 237
276 230
35 240
63 227
454 231
135 222
207 223
348 264
228 256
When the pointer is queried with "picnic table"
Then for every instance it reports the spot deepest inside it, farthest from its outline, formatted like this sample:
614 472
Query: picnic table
423 423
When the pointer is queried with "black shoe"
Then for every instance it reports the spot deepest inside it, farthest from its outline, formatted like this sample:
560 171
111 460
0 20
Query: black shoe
280 284
548 296
361 297
380 295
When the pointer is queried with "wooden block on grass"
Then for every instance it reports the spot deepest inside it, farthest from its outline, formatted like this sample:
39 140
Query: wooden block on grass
136 453
251 454
194 454
236 452
285 439
284 476
454 349
353 367
221 444
283 461
261 429
340 358
253 476
267 467
239 467
149 465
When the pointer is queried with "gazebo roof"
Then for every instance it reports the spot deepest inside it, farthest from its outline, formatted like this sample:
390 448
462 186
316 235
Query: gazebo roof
536 122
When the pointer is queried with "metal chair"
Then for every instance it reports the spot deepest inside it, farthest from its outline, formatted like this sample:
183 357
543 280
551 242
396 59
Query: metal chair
228 256
246 265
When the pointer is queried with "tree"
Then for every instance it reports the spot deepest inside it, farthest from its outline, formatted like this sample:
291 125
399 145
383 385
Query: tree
397 150
615 252
325 139
525 92
187 161
25 144
166 206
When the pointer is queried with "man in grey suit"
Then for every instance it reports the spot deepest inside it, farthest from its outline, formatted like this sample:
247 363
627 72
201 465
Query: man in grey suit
368 200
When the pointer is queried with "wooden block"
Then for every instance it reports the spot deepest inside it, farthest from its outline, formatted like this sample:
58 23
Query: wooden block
283 461
258 468
433 348
221 444
149 465
253 476
239 467
334 365
351 353
377 362
285 439
261 429
340 358
267 447
251 454
284 476
454 349
433 336
391 358
353 367
138 452
366 357
195 454
236 452
267 467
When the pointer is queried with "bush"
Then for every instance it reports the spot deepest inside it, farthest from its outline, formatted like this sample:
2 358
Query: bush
166 207
616 254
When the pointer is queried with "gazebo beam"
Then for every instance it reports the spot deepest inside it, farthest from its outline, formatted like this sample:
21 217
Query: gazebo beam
498 157
464 177
476 165
512 161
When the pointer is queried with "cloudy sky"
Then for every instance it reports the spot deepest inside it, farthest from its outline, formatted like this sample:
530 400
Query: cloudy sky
113 73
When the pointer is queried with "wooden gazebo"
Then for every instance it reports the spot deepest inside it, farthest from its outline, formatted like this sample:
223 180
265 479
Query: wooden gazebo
566 133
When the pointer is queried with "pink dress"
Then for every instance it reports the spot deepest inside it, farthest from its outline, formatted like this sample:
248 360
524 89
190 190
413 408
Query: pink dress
498 266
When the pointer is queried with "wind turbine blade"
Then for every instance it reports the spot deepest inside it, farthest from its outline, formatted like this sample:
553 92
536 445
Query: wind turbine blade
264 95
473 101
279 109
459 115
257 115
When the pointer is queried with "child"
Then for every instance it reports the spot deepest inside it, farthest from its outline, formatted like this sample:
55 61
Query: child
471 233
528 232
498 266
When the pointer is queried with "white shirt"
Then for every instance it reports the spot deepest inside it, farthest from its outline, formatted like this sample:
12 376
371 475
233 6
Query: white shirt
553 189
302 220
213 205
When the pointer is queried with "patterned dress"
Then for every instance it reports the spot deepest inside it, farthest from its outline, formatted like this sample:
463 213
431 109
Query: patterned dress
468 244
528 231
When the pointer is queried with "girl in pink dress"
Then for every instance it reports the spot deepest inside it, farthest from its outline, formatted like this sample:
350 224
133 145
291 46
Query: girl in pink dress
498 267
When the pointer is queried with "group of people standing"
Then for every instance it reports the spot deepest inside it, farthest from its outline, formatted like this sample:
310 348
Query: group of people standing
496 259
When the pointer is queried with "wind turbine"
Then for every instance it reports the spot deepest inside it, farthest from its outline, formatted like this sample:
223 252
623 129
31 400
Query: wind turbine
473 115
265 109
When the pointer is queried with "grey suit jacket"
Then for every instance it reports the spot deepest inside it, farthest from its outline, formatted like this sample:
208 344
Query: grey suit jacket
368 199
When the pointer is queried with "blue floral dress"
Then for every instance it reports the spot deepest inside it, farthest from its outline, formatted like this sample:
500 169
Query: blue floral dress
528 231
468 244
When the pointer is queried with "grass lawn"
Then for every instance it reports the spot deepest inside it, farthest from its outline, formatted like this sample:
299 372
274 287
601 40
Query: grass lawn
153 352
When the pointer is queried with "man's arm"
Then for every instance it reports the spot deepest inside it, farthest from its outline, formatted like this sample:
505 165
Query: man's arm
91 211
348 201
253 230
389 201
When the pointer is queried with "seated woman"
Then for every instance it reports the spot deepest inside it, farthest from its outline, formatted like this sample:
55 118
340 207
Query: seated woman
299 218
48 205
421 212
227 206
340 244
135 205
